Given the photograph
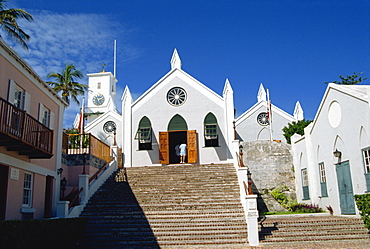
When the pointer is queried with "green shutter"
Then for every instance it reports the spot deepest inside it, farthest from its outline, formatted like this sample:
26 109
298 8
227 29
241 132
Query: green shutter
210 119
145 123
367 176
144 130
306 193
324 189
177 123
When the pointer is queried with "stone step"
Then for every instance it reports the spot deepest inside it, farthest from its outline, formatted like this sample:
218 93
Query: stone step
311 238
297 228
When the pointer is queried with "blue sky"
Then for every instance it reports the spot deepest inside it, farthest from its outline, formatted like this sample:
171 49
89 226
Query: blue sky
291 46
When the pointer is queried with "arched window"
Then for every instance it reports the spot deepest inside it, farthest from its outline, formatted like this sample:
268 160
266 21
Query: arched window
210 131
144 134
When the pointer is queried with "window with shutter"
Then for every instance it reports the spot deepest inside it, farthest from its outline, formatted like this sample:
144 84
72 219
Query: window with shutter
210 131
324 191
306 193
144 134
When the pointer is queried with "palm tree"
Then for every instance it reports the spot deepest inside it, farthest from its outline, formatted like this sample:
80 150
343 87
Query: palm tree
8 22
66 83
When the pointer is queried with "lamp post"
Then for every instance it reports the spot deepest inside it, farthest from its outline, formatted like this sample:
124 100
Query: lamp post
241 164
249 177
337 153
60 171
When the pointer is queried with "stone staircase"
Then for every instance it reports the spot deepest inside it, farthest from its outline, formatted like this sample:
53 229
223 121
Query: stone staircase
198 206
311 228
167 207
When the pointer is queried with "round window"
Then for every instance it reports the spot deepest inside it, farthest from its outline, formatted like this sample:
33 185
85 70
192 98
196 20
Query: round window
263 118
109 127
176 96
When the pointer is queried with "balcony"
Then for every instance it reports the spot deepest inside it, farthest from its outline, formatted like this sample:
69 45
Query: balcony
23 133
78 144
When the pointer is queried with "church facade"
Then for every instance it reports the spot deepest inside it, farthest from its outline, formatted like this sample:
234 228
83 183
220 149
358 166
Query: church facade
177 109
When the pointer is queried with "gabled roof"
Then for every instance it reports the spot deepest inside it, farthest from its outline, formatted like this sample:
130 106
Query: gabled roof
360 92
102 117
260 104
177 70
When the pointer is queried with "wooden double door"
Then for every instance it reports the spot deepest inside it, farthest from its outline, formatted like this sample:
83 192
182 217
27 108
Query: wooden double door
168 141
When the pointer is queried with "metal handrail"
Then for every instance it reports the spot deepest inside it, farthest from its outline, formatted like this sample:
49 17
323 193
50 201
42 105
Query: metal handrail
97 173
75 198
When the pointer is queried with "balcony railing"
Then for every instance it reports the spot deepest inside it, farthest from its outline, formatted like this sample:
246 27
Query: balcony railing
75 144
21 132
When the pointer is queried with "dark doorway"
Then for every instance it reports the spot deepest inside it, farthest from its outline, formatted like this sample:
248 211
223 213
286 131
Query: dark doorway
176 138
3 190
48 197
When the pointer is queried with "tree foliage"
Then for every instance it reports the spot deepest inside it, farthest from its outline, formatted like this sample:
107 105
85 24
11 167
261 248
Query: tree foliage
8 23
295 128
67 84
349 79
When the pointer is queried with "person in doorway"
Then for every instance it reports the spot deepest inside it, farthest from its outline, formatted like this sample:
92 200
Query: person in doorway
177 150
182 152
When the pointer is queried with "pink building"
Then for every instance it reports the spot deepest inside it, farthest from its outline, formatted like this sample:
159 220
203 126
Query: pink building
31 126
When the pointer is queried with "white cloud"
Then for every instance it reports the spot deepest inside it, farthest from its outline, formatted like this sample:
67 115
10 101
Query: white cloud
85 40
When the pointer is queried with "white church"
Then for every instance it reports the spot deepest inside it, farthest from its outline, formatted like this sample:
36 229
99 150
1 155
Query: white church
178 108
332 159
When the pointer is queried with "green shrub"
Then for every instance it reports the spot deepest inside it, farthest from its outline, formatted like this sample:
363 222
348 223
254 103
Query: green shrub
32 234
363 205
291 205
305 208
281 197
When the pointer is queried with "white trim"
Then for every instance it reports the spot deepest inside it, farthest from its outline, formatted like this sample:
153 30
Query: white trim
20 164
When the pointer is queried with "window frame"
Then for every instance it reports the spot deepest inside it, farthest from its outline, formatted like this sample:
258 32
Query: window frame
27 190
144 134
366 159
211 131
305 189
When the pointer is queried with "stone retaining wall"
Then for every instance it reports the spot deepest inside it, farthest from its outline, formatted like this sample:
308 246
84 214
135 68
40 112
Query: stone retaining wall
271 165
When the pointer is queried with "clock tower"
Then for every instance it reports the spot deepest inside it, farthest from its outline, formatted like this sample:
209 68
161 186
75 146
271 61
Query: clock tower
101 95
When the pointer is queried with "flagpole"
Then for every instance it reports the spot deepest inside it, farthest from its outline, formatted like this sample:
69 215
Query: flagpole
81 124
115 57
83 114
269 111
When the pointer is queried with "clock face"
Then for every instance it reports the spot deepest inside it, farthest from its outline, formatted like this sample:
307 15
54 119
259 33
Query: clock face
262 118
176 96
109 127
98 99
